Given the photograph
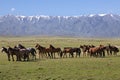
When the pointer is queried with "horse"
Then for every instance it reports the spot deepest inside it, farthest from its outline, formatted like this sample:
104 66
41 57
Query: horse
6 51
68 50
54 50
33 52
12 52
77 51
24 53
43 51
111 49
85 49
97 51
30 50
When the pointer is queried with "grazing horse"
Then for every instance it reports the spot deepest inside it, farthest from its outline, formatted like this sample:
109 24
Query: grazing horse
97 51
43 51
54 50
111 49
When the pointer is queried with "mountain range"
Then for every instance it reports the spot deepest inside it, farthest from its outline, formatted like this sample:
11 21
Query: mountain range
94 25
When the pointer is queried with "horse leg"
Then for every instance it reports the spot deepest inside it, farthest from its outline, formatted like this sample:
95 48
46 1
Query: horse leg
12 57
27 57
79 54
8 57
115 53
83 54
16 57
39 55
61 54
24 56
54 55
69 55
51 55
110 52
35 56
76 54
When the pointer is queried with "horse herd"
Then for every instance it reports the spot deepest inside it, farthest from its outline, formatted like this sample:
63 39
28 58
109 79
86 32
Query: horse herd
23 53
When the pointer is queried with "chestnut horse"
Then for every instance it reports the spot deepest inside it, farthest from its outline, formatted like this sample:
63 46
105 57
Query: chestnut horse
97 51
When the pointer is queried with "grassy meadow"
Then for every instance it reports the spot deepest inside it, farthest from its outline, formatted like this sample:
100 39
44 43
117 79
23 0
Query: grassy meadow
83 68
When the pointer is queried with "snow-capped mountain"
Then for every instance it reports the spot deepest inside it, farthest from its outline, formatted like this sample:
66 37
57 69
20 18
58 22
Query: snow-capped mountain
94 25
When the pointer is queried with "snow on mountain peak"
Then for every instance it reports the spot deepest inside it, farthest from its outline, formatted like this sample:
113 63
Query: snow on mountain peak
102 14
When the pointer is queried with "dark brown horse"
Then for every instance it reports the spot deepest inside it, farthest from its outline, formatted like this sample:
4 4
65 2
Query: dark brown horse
97 51
11 52
112 49
20 53
6 51
68 50
31 51
55 50
43 51
77 51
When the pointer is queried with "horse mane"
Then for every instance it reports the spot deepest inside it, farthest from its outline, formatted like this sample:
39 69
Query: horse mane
51 46
39 46
21 46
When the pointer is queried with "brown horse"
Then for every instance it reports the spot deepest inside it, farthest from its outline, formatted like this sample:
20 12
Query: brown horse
97 51
43 51
85 49
55 50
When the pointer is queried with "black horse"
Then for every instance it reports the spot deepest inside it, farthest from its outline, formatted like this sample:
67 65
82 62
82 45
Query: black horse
33 52
11 52
30 50
4 49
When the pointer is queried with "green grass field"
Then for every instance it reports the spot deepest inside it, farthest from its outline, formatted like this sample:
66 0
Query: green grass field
83 68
